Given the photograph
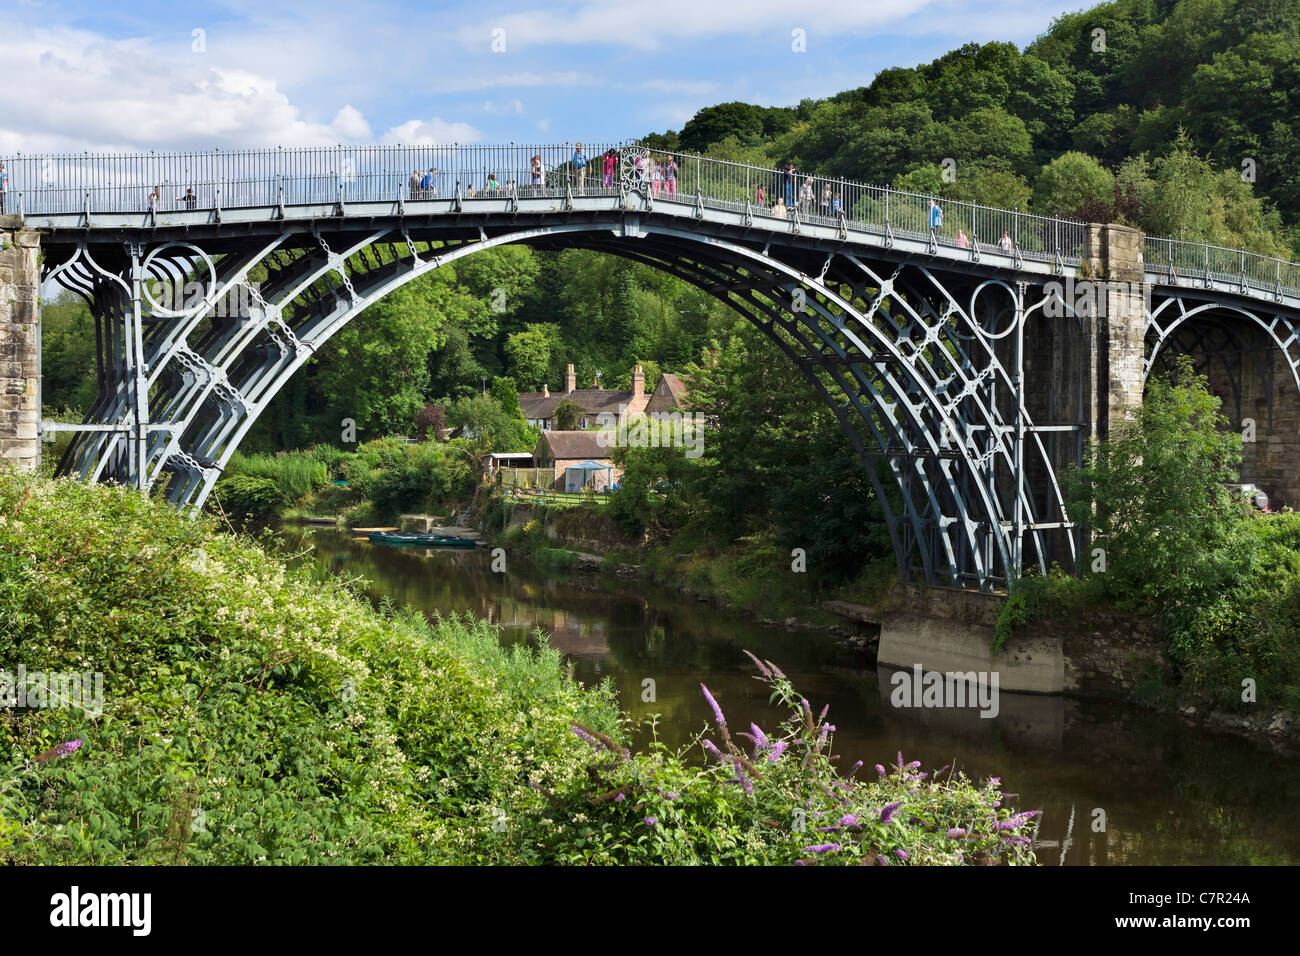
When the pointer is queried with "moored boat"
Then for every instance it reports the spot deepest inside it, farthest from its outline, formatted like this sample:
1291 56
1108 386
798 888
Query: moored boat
406 538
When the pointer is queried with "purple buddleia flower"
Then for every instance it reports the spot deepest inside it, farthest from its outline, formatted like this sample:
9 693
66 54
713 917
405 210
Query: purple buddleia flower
821 848
620 798
901 853
72 746
887 813
850 820
651 821
957 833
717 711
712 748
777 671
778 748
759 738
743 780
880 770
882 861
587 737
762 668
855 768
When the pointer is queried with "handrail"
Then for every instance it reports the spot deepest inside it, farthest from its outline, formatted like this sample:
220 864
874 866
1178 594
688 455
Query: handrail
89 184
1181 259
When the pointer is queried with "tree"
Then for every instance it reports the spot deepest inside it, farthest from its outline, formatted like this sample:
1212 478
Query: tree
534 353
1069 183
566 416
1156 491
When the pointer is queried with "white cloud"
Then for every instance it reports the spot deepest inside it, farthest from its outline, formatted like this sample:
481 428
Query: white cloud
82 91
350 124
434 132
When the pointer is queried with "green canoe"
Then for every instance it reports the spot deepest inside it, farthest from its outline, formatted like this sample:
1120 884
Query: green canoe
405 538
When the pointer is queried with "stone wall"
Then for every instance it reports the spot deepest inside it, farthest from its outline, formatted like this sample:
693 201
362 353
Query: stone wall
1114 254
20 352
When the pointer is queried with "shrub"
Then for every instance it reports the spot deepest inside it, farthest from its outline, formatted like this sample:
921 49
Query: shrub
248 496
252 715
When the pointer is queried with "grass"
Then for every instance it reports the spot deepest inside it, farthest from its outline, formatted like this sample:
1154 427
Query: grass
252 715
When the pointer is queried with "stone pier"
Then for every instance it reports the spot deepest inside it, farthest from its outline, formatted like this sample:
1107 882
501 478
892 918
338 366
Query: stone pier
20 346
1113 257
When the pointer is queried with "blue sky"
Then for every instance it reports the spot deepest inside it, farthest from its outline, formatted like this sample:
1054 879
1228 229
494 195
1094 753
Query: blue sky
108 75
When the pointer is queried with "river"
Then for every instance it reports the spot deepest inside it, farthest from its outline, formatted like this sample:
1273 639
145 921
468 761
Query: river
1117 784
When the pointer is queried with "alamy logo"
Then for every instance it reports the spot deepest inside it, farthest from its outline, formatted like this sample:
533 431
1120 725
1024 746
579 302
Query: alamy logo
652 430
134 910
920 688
38 689
1099 297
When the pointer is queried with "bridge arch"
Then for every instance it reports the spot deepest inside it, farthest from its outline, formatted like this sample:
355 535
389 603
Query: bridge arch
908 377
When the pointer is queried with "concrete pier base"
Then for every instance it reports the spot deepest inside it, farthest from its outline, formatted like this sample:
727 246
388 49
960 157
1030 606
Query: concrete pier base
1026 666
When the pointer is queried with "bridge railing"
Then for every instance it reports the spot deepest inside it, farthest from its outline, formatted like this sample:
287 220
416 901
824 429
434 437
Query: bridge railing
1200 260
217 179
822 200
118 183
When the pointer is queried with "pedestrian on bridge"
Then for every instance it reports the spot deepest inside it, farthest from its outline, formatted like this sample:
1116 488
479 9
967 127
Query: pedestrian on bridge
580 166
670 175
787 181
1005 243
779 210
190 200
414 184
656 177
611 163
4 187
806 197
936 218
536 164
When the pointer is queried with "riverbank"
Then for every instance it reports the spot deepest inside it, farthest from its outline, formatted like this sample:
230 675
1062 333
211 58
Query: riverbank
1107 653
251 713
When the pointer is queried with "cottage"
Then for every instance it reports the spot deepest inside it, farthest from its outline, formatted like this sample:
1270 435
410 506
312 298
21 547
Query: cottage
669 395
577 460
539 407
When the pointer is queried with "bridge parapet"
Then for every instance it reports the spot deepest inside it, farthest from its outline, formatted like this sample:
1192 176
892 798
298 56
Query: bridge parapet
20 352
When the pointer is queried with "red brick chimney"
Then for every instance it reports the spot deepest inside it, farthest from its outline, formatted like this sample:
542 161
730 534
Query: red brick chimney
570 380
636 405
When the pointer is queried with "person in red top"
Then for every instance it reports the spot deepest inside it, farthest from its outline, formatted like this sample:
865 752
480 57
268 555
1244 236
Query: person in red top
611 161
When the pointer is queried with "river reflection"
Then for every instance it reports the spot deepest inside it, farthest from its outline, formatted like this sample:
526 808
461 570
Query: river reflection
1169 795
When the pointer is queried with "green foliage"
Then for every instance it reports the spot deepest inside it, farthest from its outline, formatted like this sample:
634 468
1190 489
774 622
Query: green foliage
1178 545
566 415
777 800
295 474
1161 508
68 354
248 495
252 715
425 477
1068 183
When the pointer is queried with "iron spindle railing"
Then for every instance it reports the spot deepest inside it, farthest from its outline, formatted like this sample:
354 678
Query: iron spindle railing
122 183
